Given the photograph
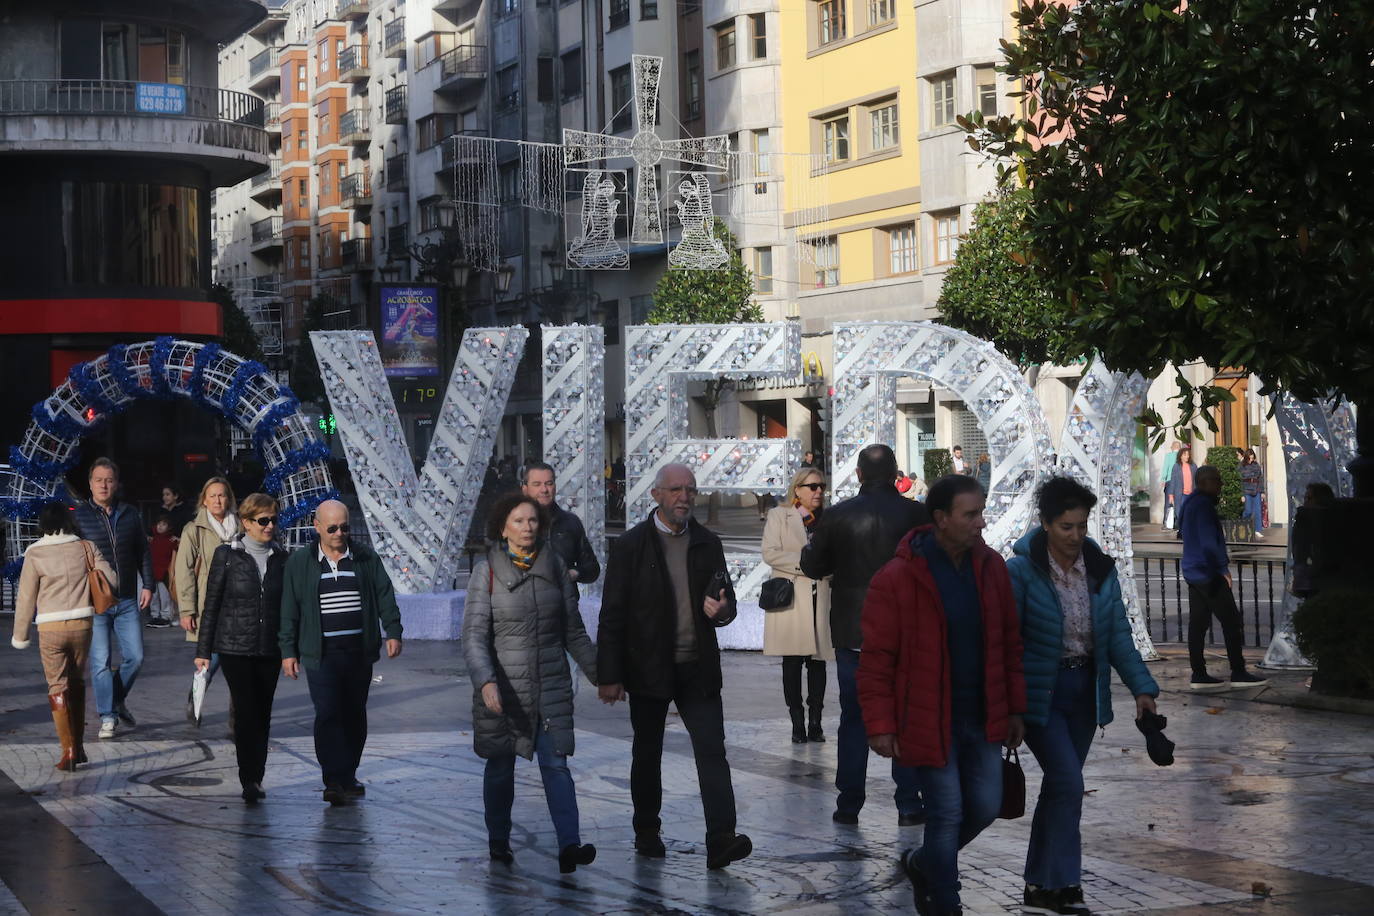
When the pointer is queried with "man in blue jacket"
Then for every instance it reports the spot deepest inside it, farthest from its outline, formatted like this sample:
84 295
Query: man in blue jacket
1207 570
117 532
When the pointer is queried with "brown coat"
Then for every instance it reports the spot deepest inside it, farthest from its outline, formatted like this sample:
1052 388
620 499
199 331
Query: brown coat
804 628
53 588
191 566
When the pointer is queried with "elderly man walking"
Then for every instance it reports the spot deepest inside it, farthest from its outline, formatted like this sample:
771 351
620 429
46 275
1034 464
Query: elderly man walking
336 597
666 591
566 535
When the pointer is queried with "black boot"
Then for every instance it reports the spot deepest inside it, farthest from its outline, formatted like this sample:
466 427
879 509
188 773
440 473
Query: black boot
815 697
791 692
798 725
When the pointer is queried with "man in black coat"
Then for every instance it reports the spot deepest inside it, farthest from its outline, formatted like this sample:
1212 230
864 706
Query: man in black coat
566 534
666 591
853 540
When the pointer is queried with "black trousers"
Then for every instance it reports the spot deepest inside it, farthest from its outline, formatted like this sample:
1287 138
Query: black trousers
1214 599
252 681
338 688
705 720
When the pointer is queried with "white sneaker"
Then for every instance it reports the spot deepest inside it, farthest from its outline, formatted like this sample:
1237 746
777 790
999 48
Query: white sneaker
107 728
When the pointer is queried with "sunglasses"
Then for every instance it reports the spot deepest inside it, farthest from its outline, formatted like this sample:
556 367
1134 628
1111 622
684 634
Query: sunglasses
813 487
333 528
265 520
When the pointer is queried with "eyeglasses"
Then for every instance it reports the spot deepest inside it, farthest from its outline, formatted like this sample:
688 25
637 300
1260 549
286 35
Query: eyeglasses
265 520
333 528
813 487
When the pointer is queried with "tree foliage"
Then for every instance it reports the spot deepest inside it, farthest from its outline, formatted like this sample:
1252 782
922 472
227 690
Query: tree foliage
995 290
239 336
1198 183
1231 504
707 296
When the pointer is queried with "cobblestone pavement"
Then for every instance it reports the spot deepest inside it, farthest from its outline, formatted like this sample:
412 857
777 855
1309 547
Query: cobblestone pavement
1260 795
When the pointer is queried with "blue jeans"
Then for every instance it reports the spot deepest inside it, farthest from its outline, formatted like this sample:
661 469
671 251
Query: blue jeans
1254 511
111 687
498 794
1055 857
962 798
851 767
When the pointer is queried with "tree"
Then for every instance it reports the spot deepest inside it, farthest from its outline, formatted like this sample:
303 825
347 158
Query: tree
239 336
995 291
708 297
305 371
1198 189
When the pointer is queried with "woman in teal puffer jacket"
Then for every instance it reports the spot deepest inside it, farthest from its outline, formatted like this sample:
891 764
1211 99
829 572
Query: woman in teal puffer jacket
1074 630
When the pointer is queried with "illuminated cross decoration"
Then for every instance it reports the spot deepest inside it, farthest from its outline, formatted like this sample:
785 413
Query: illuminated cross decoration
647 149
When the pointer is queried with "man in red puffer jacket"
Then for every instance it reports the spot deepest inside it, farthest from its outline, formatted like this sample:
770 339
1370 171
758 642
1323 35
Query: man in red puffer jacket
940 679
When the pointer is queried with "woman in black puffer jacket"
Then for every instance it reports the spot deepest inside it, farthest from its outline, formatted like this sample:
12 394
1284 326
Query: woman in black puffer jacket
242 613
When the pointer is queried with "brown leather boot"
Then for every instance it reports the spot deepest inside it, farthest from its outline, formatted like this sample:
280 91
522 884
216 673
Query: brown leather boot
61 718
76 714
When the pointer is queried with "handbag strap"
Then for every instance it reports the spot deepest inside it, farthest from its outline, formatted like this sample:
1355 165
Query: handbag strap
90 556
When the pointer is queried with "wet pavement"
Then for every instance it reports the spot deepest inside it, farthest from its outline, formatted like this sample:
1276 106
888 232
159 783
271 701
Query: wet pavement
1268 808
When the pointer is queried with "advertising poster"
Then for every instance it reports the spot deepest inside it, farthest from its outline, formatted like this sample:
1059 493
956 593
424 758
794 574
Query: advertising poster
410 330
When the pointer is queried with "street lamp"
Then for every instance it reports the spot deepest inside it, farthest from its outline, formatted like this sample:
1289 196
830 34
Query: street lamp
504 274
461 273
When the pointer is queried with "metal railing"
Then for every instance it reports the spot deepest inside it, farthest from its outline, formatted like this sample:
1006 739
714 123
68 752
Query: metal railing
354 126
396 173
397 237
263 61
346 9
355 186
448 150
272 115
396 105
273 173
464 60
267 230
121 97
1257 584
356 253
353 57
394 35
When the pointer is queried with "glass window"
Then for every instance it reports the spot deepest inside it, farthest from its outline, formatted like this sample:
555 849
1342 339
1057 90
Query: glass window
987 91
322 52
692 64
725 46
622 118
648 9
946 236
836 137
831 13
152 54
826 254
883 122
901 244
301 88
619 13
758 36
130 234
507 87
763 148
942 98
117 50
176 58
302 193
880 11
572 74
763 270
81 47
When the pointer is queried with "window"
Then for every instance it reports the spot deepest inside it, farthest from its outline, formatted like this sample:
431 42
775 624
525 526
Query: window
341 171
901 247
987 91
648 9
880 11
543 79
572 74
826 253
505 7
610 321
302 139
323 53
640 307
942 99
763 270
758 36
326 180
763 147
831 13
622 117
692 66
301 88
883 126
725 46
507 87
946 236
619 13
836 136
433 128
302 193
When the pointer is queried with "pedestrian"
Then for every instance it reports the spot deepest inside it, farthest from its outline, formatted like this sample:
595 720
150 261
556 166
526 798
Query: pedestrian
336 597
162 545
180 512
809 460
957 458
54 592
799 632
903 483
116 530
519 625
983 471
239 623
940 679
664 651
1252 488
565 532
850 544
214 526
1166 471
1182 483
1207 570
1074 630
1307 560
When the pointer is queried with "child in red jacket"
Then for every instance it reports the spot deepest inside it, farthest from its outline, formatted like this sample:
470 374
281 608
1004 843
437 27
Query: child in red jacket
162 547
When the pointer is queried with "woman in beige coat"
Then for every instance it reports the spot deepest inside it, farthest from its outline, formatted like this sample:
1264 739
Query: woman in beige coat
214 525
800 633
55 593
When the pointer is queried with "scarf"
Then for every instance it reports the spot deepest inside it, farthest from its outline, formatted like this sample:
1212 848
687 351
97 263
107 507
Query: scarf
226 529
522 561
809 519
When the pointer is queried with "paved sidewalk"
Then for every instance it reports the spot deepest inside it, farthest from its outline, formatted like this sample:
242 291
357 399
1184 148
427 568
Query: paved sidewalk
1263 797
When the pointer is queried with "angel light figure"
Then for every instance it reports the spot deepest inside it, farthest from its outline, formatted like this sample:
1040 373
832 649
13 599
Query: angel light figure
596 247
699 248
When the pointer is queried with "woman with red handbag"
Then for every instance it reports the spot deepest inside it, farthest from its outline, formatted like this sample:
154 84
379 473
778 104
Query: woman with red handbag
55 593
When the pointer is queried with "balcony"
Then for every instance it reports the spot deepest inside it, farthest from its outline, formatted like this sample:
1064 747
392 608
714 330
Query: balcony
394 38
353 66
396 105
396 179
217 129
349 10
458 11
264 70
356 254
397 238
274 21
355 191
272 118
266 235
464 66
354 127
265 187
453 154
267 286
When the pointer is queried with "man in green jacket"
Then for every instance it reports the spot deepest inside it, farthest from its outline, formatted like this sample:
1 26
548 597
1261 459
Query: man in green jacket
335 599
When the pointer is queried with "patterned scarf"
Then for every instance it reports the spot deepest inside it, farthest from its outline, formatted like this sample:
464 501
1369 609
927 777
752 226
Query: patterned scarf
522 561
809 519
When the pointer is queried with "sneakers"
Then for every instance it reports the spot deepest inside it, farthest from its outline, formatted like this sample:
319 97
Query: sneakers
1066 901
158 623
124 715
107 728
1246 679
1205 681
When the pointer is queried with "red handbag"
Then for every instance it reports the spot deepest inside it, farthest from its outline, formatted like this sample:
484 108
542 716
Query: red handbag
1013 787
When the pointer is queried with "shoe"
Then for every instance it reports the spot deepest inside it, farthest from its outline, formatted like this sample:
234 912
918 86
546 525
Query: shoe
911 819
920 887
76 716
798 726
500 852
814 731
124 715
355 789
849 818
650 846
732 850
1246 679
62 721
1037 899
253 793
1205 682
572 856
1071 901
107 728
336 796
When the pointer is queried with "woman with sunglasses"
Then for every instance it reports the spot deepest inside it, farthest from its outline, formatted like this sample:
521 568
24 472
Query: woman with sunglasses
800 633
240 622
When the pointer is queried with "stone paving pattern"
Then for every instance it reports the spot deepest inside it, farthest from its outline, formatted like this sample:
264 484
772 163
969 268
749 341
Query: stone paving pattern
1260 793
